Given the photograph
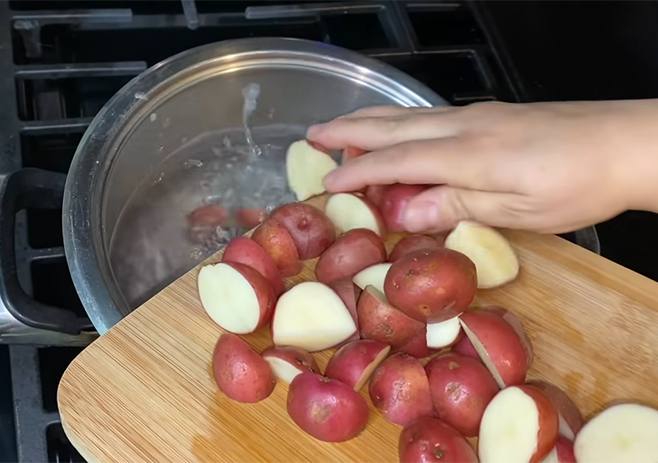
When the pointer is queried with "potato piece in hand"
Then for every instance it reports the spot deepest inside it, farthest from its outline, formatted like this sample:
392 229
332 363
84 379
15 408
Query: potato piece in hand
430 440
240 372
246 251
375 193
327 409
310 228
411 243
235 296
352 252
380 321
519 425
354 363
394 202
306 166
288 362
562 452
461 390
348 211
372 276
499 346
431 285
399 389
622 433
277 242
493 256
311 315
571 419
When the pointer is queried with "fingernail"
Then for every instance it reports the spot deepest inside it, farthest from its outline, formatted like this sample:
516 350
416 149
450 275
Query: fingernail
315 130
421 217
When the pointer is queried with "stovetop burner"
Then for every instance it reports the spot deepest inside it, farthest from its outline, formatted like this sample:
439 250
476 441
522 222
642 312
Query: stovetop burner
63 60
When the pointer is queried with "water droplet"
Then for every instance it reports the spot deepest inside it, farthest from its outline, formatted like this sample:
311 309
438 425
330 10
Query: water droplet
192 163
153 117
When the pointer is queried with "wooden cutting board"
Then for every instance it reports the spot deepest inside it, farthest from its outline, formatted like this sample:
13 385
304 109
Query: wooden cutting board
144 391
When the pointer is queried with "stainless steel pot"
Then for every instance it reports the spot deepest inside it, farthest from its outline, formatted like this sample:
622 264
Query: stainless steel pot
173 139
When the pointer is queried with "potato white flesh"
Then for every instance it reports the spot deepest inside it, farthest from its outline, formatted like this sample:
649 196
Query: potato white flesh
509 428
373 276
495 261
285 371
306 168
443 334
228 298
551 457
311 316
347 212
565 429
622 433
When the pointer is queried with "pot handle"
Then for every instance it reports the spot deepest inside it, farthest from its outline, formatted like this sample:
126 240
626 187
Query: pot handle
21 189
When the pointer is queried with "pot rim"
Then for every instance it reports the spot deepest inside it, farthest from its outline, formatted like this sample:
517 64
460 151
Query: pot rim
93 159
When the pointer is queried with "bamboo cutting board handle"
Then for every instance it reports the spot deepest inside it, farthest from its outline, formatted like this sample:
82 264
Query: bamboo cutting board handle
144 391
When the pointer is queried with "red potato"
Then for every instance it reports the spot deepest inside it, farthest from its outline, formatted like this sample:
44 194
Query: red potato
431 285
327 409
411 243
235 296
310 229
562 452
375 193
394 202
520 425
399 389
380 321
240 372
461 390
571 419
203 222
349 211
621 433
464 346
354 363
287 362
372 276
250 217
246 251
417 346
443 334
499 346
277 242
349 293
307 163
430 440
514 321
352 152
312 316
493 256
352 252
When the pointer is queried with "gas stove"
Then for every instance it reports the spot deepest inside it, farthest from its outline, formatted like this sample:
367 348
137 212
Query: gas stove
61 61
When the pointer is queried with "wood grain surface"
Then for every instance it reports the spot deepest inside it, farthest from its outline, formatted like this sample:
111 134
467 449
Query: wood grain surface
144 391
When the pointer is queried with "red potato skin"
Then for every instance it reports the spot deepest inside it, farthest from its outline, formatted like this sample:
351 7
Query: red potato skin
278 243
380 321
352 152
399 389
262 288
464 347
251 217
430 440
317 146
375 193
431 285
349 293
310 229
325 408
350 362
296 356
240 372
417 346
502 344
246 251
203 221
548 423
564 449
565 407
411 243
514 321
352 252
394 202
461 390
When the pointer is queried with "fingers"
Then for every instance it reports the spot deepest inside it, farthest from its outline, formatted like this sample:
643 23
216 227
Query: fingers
392 111
442 207
443 161
371 133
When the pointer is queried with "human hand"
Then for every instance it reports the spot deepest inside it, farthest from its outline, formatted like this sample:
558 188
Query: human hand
548 167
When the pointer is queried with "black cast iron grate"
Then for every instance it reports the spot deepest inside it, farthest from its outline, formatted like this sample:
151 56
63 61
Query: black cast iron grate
63 60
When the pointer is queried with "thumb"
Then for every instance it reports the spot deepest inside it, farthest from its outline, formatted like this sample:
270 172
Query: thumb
442 207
